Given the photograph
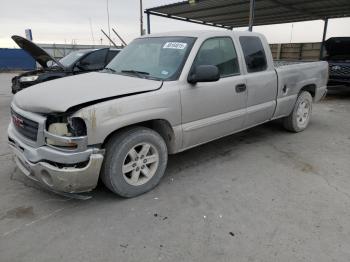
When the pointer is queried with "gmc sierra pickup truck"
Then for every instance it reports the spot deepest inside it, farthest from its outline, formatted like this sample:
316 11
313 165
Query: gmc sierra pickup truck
161 95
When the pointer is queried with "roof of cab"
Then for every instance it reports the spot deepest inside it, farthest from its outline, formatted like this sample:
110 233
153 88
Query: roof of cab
202 33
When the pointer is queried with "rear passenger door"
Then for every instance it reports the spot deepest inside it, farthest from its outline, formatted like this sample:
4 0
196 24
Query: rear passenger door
261 81
214 109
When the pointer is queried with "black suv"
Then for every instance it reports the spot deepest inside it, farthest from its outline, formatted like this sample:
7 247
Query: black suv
76 62
338 58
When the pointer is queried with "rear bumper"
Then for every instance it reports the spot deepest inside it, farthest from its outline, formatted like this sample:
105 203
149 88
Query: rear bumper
43 165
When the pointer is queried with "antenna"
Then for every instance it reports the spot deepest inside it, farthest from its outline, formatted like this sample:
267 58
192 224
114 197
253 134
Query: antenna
92 33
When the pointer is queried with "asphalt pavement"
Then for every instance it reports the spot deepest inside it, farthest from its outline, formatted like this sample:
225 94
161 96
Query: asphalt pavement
261 195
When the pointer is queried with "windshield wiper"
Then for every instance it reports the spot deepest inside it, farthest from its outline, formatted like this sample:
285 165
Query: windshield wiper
140 74
109 69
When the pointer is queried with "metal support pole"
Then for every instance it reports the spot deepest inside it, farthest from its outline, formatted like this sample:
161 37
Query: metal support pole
148 23
120 38
141 18
109 28
251 14
110 40
324 37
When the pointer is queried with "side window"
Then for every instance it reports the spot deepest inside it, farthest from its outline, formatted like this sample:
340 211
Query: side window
221 52
254 53
95 60
111 54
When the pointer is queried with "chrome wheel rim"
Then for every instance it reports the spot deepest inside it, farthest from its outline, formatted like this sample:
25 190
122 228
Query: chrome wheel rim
303 113
140 164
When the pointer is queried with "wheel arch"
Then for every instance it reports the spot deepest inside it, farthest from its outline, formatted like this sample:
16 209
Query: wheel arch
161 126
311 88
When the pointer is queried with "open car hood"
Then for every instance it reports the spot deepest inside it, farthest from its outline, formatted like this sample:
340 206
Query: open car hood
338 46
66 93
35 51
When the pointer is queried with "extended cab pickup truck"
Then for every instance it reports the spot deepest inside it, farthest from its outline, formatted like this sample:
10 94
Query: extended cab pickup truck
161 95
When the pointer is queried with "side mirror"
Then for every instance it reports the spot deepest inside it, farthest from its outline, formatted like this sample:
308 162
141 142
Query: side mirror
204 73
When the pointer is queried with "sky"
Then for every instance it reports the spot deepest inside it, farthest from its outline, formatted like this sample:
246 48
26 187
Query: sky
71 21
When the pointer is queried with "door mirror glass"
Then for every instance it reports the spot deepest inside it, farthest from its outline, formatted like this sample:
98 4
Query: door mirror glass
204 73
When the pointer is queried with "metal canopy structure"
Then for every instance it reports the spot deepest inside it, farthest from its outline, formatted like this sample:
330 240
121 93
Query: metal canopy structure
241 13
235 13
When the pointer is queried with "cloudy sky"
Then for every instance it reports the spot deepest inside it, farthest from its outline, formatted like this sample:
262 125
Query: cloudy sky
66 21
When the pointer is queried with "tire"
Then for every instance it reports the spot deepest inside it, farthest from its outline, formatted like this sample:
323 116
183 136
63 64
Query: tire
299 119
127 161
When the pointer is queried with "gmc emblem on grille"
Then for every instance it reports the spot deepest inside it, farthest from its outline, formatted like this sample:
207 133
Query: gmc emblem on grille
336 67
18 122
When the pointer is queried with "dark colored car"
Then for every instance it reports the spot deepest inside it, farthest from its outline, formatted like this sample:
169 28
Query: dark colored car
338 58
76 62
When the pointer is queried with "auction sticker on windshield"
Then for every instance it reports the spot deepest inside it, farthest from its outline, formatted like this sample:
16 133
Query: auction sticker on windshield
175 45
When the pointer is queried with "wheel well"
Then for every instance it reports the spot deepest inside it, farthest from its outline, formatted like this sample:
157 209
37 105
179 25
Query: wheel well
309 88
161 126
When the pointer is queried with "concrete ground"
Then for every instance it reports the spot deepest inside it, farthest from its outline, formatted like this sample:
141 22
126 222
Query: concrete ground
260 195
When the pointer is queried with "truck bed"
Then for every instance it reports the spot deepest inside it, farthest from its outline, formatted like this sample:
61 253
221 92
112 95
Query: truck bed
279 63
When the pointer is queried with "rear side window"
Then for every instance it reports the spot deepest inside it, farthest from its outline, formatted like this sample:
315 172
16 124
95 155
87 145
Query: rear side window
220 52
254 53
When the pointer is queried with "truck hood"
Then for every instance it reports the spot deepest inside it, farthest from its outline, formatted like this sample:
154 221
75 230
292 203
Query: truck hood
64 93
338 46
35 51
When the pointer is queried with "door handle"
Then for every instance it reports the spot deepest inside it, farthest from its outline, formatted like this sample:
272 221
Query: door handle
241 88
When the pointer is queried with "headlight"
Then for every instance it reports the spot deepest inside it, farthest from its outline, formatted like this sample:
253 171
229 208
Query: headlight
59 129
65 132
28 78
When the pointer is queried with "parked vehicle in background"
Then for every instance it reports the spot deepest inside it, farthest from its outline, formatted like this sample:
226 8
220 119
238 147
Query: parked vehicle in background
338 58
76 62
161 95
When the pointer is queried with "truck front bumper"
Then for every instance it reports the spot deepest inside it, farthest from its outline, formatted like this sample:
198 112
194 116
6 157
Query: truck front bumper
81 175
339 83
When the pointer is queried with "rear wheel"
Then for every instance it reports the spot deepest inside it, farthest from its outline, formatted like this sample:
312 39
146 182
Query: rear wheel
299 119
135 161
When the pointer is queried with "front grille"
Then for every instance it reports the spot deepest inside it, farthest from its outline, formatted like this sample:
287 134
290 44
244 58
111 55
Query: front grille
26 127
339 70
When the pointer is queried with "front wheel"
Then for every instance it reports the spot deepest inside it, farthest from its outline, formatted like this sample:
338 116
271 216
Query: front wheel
135 161
299 119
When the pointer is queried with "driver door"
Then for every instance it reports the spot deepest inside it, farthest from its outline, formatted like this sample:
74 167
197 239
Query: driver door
214 109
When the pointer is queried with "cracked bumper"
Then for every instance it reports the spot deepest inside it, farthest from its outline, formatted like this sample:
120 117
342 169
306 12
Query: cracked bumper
39 164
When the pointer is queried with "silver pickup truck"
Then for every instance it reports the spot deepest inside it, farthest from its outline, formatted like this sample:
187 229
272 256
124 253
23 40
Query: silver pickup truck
161 95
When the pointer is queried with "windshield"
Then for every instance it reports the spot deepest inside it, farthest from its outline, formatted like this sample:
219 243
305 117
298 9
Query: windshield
71 58
159 58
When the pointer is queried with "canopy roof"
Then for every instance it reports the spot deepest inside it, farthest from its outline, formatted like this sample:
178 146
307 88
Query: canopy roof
235 13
